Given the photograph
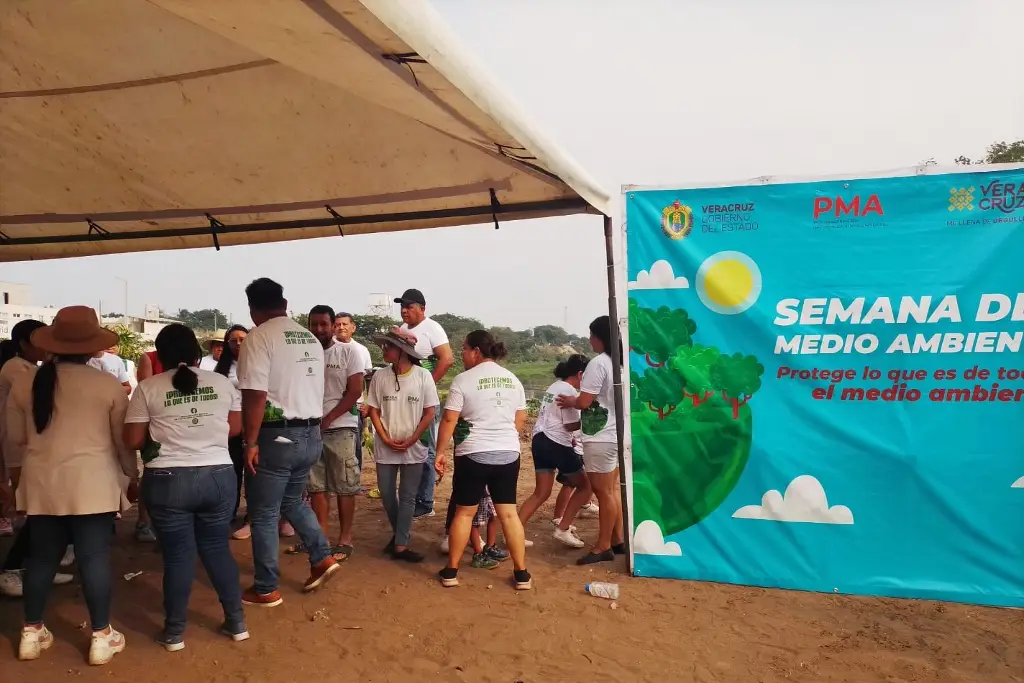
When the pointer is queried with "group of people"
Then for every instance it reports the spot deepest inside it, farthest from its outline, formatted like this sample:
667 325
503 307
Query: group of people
277 412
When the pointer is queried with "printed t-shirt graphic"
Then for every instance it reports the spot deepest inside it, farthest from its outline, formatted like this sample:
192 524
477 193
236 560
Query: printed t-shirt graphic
401 408
186 430
341 361
429 335
487 398
285 360
599 418
551 419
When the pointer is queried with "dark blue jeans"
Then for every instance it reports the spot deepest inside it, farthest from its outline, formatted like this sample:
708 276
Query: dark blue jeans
285 458
91 535
191 509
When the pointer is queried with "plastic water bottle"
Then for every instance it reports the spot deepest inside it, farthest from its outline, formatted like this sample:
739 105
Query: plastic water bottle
603 590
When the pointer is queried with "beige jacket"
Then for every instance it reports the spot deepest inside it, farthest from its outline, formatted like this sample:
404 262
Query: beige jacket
75 466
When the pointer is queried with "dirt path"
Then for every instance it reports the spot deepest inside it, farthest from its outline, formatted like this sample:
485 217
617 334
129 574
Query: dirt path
385 621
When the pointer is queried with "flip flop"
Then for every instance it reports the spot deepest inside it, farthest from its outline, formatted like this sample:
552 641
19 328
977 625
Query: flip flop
341 552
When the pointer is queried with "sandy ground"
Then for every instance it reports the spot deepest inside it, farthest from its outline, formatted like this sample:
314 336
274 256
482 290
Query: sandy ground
380 620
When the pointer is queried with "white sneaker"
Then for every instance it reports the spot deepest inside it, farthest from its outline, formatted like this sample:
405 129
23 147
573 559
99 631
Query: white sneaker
528 543
33 642
11 584
104 646
590 510
60 579
445 547
69 557
569 538
556 521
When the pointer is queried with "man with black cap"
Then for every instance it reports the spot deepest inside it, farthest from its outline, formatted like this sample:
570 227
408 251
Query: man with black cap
432 345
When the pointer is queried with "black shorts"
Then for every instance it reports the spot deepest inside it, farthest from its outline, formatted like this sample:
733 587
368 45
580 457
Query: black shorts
473 479
549 456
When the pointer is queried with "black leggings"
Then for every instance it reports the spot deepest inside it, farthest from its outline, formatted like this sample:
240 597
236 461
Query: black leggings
237 453
19 551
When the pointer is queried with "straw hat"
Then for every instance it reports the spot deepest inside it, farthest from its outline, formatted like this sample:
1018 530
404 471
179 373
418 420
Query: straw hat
76 331
217 338
402 342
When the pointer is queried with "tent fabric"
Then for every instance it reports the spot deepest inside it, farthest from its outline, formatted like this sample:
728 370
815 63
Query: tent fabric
170 124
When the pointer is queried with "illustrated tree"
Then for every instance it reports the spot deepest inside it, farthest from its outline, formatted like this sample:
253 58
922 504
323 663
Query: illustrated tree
658 333
661 389
694 364
737 377
635 404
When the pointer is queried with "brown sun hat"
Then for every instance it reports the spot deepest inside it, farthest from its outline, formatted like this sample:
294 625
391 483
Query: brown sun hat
75 331
403 341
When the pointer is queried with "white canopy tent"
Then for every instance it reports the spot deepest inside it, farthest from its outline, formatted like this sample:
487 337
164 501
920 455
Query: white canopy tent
136 125
129 126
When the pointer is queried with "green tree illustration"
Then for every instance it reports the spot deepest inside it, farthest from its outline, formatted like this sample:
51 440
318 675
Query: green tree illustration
694 363
662 390
737 377
656 334
462 430
635 404
594 418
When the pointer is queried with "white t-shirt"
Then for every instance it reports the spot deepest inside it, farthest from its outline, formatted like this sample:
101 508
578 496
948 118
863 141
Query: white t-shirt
429 335
111 364
285 360
401 408
487 398
192 429
551 419
341 362
208 363
362 352
599 418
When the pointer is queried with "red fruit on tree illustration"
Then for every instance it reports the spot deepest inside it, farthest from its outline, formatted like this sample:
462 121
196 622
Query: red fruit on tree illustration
691 420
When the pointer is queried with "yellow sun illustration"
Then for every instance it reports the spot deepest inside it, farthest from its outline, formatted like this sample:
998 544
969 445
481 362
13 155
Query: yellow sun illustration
728 282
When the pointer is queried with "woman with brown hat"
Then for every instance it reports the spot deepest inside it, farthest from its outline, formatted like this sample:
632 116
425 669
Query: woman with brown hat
67 418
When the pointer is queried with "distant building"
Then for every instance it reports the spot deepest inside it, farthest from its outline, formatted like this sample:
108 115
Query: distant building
15 306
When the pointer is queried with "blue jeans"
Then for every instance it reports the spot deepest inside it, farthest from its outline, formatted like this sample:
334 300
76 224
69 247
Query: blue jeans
275 491
191 509
91 535
425 492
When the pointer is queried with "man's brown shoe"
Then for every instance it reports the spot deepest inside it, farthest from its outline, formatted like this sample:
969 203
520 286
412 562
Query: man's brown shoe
253 599
319 573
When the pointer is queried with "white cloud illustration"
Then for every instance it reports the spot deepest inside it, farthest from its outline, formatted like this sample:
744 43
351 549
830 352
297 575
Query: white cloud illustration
804 501
660 277
647 540
1019 484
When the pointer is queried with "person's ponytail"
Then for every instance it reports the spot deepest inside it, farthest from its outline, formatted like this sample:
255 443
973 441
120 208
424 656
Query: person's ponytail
560 370
44 386
490 347
184 380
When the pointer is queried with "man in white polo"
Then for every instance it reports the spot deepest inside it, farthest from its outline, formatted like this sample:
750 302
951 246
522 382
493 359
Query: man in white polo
281 375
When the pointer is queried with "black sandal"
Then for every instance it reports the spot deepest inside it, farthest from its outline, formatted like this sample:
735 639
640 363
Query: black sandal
408 555
341 552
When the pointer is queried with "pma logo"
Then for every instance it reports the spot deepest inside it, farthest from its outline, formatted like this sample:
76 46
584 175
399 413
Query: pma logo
677 220
961 199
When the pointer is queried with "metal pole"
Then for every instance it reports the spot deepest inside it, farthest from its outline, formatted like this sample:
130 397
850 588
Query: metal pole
620 416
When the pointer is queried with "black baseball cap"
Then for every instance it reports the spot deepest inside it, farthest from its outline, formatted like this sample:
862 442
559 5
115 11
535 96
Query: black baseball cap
411 296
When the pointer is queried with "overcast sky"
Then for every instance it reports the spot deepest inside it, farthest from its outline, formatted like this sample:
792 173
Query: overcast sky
642 92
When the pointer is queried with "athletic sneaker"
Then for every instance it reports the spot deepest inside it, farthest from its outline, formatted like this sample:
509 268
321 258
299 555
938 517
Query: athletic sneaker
12 583
568 537
144 533
235 631
449 577
590 510
320 573
528 543
34 639
522 579
496 553
556 521
69 557
104 645
420 514
171 643
484 561
253 599
445 546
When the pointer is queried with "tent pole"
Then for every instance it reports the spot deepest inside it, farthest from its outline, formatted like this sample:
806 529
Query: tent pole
620 416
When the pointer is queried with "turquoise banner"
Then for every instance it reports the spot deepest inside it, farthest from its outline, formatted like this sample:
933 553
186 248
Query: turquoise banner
827 384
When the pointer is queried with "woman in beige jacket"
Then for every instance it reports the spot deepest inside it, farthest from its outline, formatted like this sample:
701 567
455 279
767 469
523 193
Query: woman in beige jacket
66 418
